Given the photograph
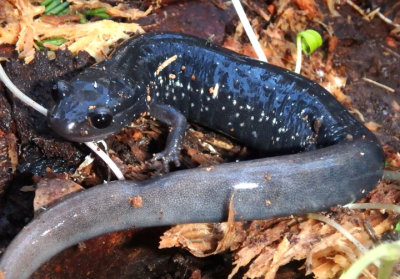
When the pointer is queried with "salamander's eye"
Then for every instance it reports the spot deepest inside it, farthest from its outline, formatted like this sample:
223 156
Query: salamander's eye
101 119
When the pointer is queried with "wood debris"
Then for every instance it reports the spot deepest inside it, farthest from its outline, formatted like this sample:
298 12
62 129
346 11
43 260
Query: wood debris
265 246
206 239
51 190
23 25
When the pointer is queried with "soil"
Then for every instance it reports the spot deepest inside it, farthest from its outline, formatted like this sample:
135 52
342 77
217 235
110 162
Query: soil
364 49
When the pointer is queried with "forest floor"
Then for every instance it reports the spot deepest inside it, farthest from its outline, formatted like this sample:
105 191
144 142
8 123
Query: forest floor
359 63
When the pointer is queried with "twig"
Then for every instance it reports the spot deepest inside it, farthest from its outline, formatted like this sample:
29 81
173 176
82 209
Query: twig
379 84
371 15
110 163
388 20
338 227
18 93
391 175
31 103
391 51
376 206
355 7
257 9
249 30
298 57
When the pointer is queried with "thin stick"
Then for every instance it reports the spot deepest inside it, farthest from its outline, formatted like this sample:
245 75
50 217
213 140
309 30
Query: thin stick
379 84
249 30
355 7
374 206
371 14
388 20
391 175
110 163
338 227
31 103
298 57
18 93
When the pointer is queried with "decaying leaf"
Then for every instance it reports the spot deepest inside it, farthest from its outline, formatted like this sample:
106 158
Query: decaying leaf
50 191
23 26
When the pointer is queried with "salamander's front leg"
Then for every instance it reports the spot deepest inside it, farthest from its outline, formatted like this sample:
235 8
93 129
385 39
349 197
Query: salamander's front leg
177 123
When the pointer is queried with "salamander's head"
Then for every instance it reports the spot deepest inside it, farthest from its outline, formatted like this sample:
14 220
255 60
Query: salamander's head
95 105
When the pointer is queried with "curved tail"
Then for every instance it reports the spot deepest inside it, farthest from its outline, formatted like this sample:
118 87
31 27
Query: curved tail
278 186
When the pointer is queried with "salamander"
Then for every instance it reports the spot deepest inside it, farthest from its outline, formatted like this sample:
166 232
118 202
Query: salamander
322 156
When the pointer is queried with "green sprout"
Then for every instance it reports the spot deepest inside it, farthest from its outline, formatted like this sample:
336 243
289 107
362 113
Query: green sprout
53 41
100 12
55 7
308 41
387 253
397 227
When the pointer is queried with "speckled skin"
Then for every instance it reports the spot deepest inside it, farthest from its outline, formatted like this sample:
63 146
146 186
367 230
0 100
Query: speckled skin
278 112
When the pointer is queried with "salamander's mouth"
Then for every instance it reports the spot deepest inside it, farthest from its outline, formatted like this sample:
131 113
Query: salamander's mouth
78 131
66 130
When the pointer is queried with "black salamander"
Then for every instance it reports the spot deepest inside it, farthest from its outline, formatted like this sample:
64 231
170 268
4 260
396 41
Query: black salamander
175 77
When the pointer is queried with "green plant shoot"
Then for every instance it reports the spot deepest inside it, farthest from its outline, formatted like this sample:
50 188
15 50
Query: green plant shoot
308 41
52 41
397 227
388 253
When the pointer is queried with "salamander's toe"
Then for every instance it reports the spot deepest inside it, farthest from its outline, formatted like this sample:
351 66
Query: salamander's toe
166 157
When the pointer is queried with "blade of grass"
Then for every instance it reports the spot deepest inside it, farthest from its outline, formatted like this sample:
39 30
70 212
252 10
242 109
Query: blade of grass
59 8
95 11
102 15
384 250
46 2
54 41
51 6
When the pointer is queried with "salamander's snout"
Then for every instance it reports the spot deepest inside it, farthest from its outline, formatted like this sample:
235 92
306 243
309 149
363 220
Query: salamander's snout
63 128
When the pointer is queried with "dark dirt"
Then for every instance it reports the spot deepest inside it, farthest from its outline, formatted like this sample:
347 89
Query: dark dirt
362 51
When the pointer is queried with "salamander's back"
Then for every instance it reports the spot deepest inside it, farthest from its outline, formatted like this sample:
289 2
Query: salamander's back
261 105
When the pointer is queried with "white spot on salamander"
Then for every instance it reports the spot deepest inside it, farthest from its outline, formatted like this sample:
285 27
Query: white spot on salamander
216 89
53 228
245 185
71 126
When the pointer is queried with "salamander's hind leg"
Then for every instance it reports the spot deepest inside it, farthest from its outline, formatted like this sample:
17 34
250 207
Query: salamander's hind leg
177 123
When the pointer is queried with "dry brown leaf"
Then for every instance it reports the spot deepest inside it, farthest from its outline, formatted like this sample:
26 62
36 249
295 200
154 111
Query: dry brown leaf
23 27
205 239
93 37
50 190
309 6
372 126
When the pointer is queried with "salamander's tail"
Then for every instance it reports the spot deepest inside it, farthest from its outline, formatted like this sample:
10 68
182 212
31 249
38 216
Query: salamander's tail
265 188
